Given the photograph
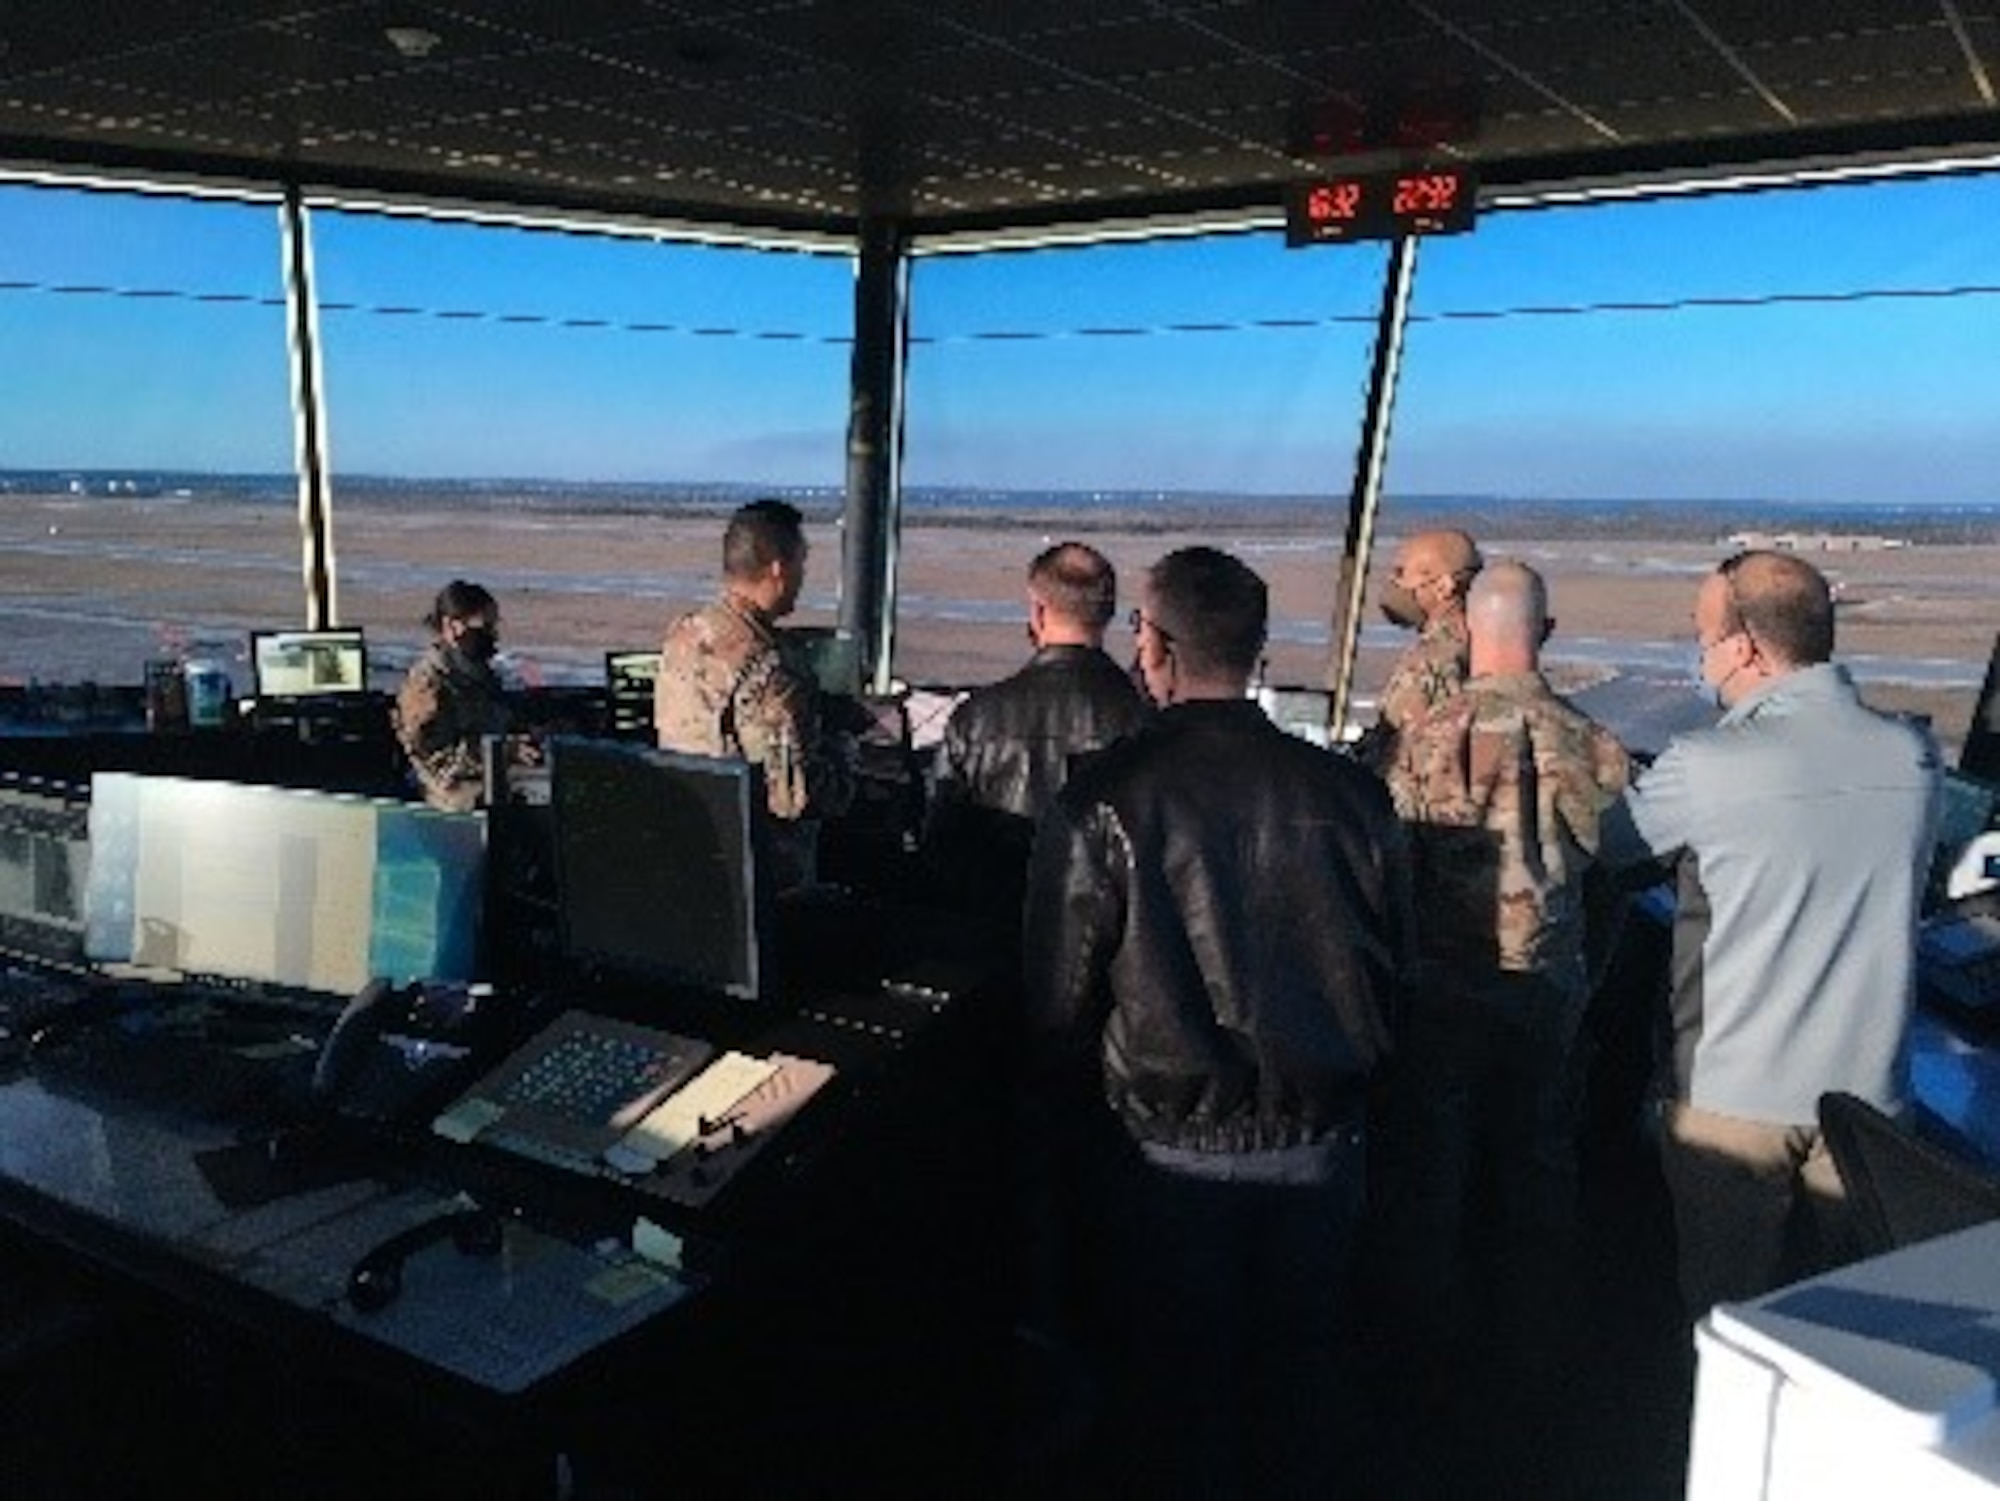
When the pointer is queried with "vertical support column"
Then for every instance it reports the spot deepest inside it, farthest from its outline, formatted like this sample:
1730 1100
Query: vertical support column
873 514
1369 463
308 413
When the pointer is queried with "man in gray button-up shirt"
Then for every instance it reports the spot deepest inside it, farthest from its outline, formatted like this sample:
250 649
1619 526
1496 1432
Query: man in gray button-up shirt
1801 827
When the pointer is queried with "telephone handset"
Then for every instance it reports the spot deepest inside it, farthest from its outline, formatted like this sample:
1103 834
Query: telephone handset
347 1046
397 1052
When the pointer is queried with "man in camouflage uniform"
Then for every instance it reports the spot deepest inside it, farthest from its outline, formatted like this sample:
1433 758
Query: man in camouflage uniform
1501 786
731 685
1425 593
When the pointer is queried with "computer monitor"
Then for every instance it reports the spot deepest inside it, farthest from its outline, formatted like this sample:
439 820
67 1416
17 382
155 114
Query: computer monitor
300 664
276 886
44 869
1966 807
656 865
833 657
628 691
1298 711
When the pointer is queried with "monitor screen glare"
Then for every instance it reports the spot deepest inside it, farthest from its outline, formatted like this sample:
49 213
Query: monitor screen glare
309 891
44 866
656 870
628 689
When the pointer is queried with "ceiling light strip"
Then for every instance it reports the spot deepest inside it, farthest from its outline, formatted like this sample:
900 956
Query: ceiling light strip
1981 80
1734 58
1519 74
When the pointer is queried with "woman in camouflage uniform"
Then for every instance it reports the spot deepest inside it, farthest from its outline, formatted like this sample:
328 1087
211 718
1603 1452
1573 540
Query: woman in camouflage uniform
452 698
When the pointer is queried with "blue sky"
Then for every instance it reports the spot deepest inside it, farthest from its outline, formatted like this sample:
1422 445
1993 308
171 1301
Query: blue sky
731 365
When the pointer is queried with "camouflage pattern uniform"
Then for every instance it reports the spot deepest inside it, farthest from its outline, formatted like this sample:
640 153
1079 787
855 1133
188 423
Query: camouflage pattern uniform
729 686
1503 786
1429 672
447 705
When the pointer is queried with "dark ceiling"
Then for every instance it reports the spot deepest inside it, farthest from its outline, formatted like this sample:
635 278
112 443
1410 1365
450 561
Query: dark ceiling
958 115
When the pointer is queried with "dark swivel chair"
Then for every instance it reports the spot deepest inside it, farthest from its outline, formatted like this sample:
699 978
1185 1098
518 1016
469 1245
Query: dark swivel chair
1902 1188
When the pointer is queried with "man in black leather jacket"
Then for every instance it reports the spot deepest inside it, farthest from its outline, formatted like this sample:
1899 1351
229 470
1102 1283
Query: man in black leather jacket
1217 914
1007 747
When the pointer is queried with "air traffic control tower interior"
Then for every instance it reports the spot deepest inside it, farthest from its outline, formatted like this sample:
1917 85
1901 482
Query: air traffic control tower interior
546 1149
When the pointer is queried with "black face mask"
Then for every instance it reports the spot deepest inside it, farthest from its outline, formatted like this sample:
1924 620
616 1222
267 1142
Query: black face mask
479 643
1399 605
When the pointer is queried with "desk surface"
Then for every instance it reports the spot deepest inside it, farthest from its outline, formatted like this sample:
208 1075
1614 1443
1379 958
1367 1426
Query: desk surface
1872 1380
128 1190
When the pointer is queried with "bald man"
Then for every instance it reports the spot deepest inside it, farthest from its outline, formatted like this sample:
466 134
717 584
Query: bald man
1425 592
1800 828
1502 786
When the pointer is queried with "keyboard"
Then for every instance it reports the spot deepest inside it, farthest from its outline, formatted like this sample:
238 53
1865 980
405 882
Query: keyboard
573 1089
589 1076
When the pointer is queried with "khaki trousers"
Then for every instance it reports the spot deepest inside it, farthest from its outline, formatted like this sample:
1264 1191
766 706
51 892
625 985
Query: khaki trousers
1756 1205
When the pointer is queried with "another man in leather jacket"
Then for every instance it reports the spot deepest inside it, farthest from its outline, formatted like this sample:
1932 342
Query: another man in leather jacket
1217 915
1007 748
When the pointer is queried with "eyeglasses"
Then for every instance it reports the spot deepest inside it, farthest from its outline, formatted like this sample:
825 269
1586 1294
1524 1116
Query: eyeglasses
1740 626
1140 618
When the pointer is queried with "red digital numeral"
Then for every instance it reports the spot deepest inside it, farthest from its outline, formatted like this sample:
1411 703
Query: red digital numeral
1431 194
1340 200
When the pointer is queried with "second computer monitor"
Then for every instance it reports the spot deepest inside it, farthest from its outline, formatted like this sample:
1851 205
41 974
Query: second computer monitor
656 865
832 656
44 869
298 664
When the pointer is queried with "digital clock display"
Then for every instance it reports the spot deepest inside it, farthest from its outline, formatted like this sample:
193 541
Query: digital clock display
1380 206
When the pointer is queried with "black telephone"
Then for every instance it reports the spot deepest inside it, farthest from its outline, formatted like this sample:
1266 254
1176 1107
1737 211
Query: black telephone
398 1052
348 1045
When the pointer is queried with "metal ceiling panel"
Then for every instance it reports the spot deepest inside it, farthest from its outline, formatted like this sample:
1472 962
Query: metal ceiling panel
810 115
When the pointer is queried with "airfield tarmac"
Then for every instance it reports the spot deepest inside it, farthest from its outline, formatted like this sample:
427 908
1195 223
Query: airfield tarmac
91 586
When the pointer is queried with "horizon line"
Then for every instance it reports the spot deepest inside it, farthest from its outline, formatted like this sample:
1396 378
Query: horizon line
1154 493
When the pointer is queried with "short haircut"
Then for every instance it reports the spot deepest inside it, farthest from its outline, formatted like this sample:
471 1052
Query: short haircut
1508 602
1457 554
1785 604
762 533
1212 608
460 599
1077 582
